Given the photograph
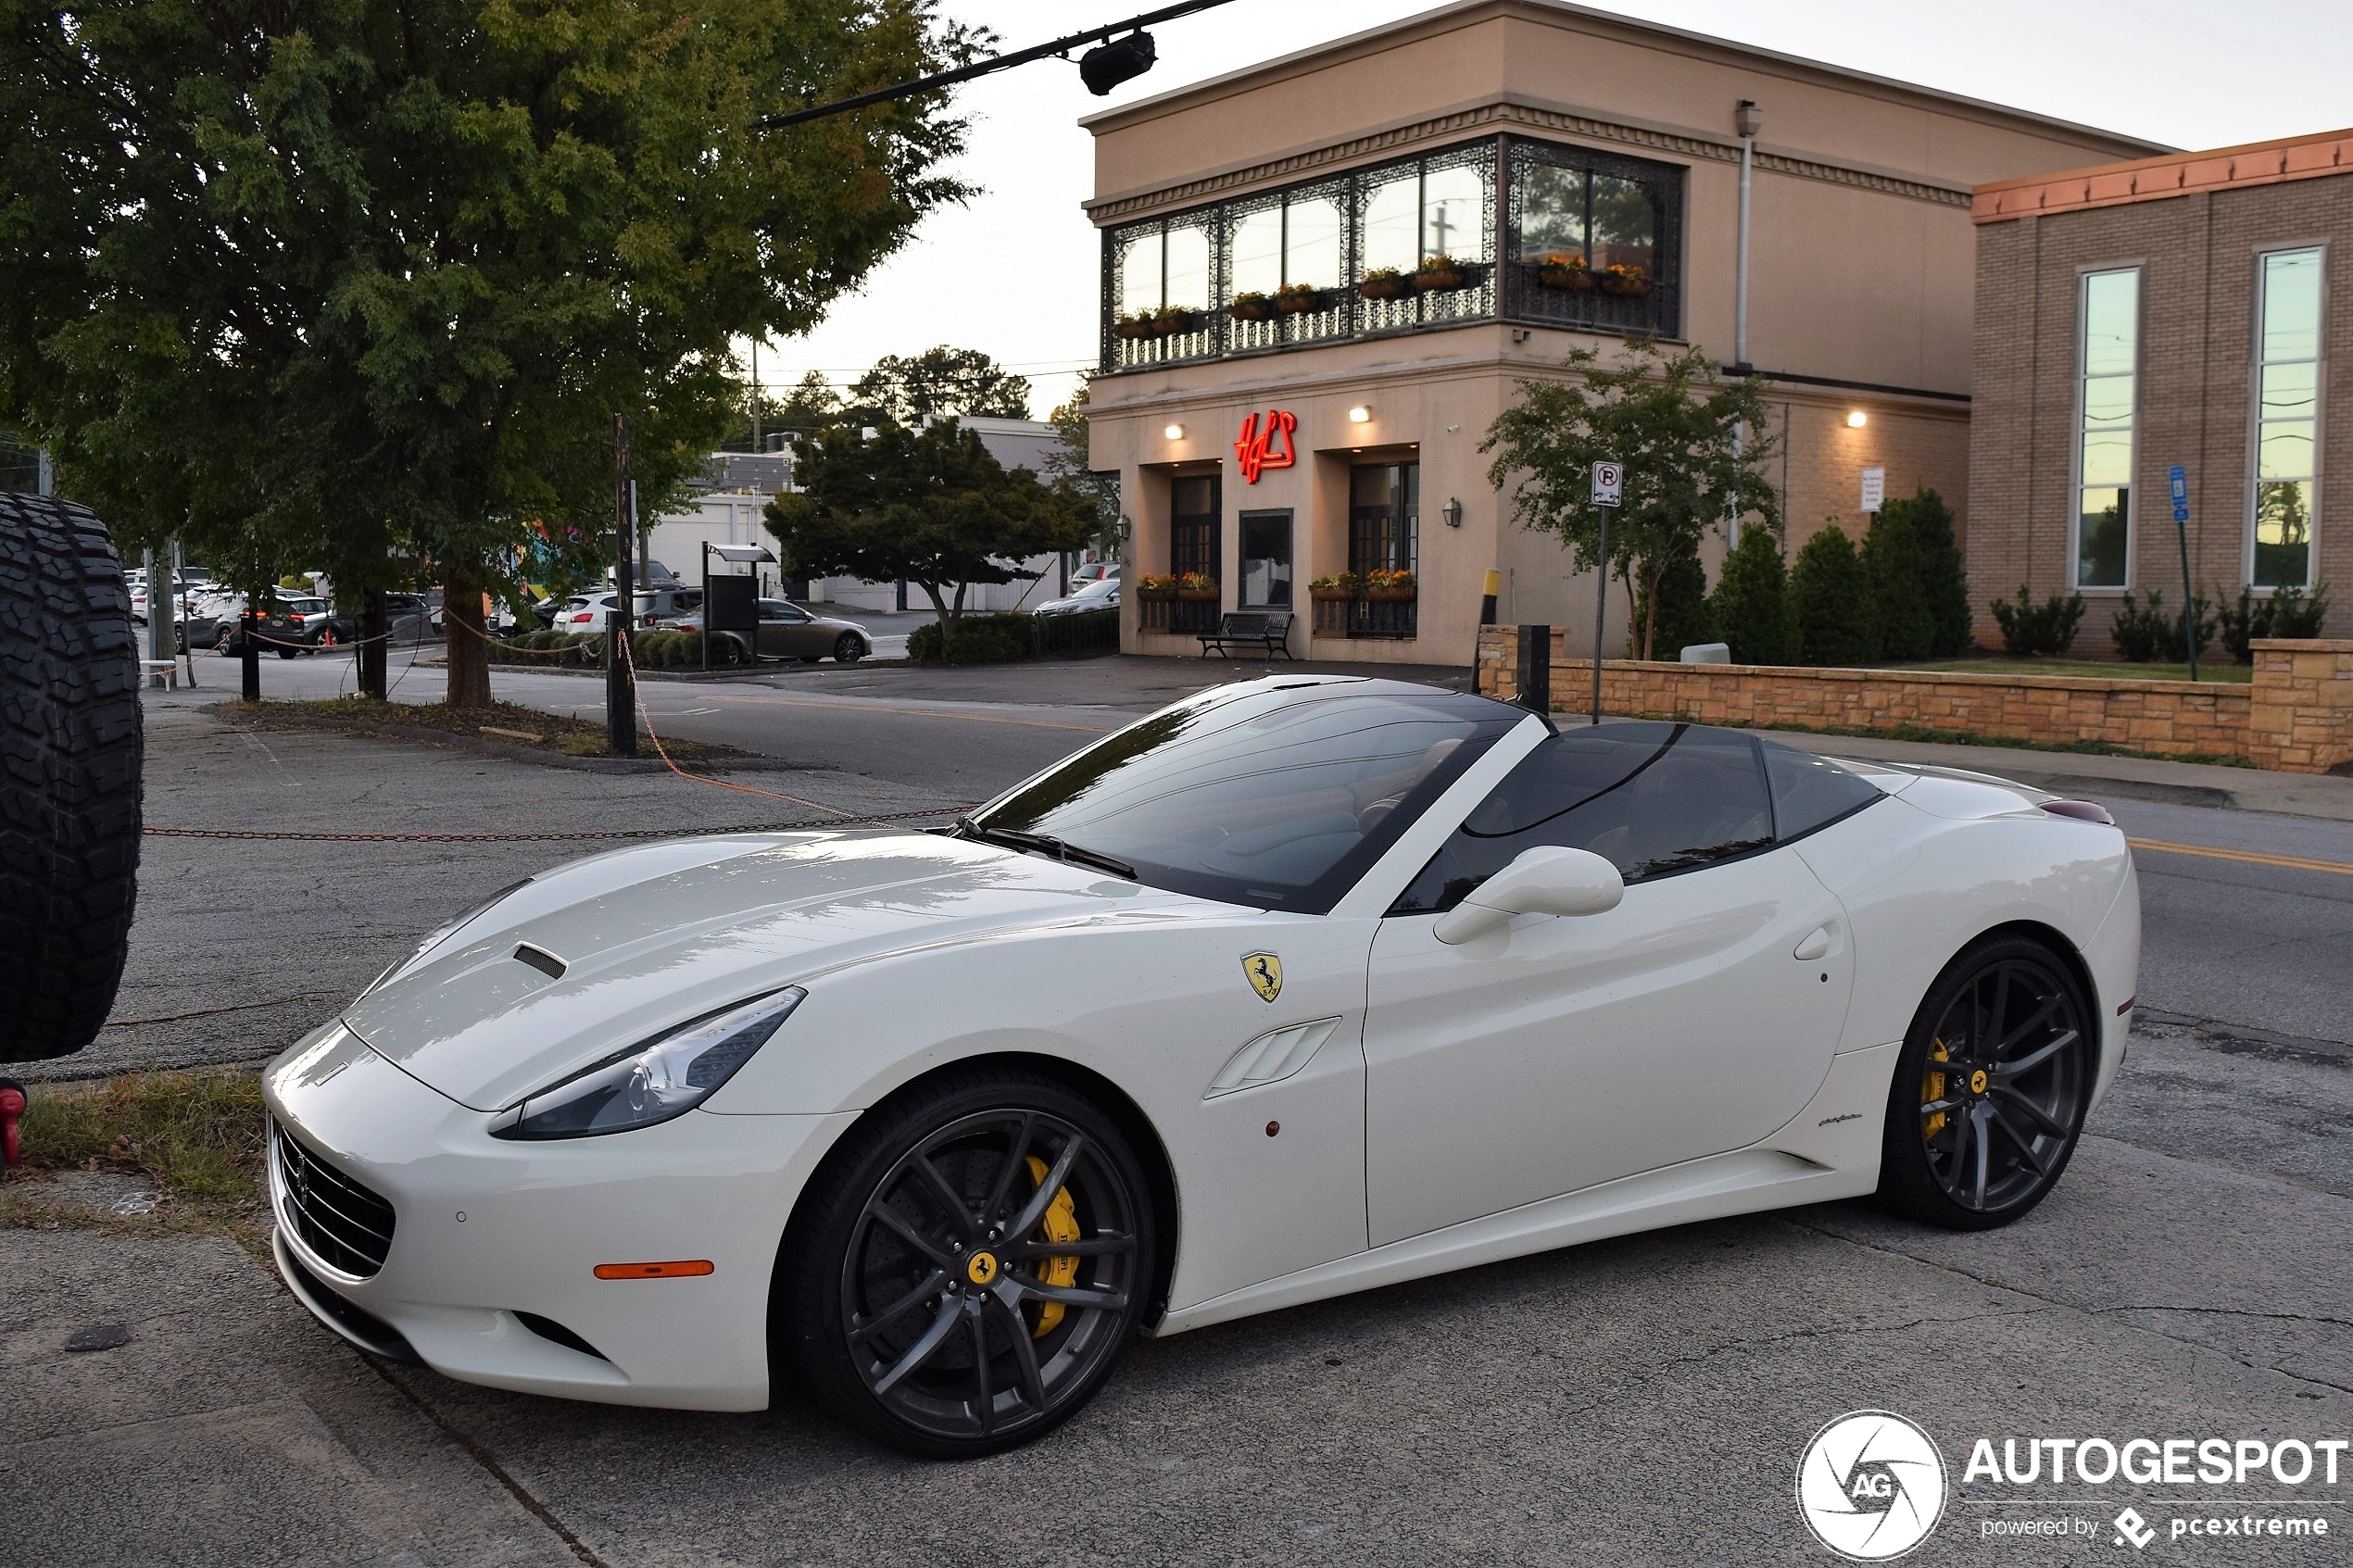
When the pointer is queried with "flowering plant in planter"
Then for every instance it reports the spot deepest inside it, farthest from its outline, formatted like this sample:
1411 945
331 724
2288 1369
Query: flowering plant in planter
1339 585
1132 327
1171 320
1197 586
1388 586
1564 270
1624 279
1252 307
1385 282
1294 299
1442 272
1151 587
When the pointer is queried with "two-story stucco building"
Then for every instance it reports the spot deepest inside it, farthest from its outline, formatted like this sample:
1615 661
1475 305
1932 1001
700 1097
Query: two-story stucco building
1322 277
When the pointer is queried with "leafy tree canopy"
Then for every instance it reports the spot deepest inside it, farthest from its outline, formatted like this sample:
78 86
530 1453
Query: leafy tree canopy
1070 464
929 507
346 282
940 381
1671 422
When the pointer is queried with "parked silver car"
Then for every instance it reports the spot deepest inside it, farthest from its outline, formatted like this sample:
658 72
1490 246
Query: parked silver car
1102 594
787 630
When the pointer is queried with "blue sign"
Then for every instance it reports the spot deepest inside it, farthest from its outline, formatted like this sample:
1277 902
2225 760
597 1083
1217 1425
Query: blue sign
2178 478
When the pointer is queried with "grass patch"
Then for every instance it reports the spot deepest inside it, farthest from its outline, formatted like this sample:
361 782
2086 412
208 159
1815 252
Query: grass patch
1966 738
2081 669
359 715
196 1136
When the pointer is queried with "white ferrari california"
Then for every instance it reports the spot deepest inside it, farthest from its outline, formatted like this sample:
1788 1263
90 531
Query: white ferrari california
1297 987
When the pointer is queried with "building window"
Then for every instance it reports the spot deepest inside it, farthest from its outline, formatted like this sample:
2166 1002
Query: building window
2287 393
1265 561
1384 535
1593 240
1158 289
1192 525
1440 209
1286 262
2108 365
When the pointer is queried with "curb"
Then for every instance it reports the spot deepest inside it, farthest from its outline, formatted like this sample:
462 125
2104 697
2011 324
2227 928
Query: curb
452 741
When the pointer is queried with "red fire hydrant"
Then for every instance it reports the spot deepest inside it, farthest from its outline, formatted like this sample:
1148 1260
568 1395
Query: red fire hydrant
11 1111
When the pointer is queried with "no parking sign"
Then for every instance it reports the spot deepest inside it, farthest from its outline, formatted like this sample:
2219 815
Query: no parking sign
1609 484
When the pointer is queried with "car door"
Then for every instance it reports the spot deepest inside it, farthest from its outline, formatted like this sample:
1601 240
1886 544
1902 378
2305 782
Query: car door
1559 1052
779 629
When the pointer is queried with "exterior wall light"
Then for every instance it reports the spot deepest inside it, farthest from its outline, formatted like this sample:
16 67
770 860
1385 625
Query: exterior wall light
1173 432
1360 415
1856 419
1452 511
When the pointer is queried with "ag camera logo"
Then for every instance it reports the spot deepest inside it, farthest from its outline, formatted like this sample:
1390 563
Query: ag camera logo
1870 1486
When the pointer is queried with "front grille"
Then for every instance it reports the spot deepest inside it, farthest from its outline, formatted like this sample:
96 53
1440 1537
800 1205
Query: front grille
344 1224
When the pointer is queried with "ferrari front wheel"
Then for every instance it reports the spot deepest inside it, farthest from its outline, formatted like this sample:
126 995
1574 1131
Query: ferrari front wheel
969 1266
1991 1088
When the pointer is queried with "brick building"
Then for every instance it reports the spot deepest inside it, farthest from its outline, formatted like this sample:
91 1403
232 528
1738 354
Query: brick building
1288 391
2131 316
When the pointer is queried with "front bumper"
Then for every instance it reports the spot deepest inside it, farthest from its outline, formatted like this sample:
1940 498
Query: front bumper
495 1243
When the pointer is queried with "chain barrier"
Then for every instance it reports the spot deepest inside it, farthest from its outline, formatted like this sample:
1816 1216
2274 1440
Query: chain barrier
844 821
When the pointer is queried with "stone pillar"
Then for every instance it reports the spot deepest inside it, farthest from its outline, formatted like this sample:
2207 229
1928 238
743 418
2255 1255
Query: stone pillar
2300 719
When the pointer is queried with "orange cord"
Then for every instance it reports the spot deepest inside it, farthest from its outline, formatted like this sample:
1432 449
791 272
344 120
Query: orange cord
637 693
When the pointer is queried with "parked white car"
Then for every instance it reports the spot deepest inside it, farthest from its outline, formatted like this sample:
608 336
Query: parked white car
1383 981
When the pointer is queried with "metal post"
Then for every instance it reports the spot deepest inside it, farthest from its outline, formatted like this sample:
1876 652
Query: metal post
1601 611
1745 120
180 620
375 652
706 605
249 659
2189 608
620 707
1535 673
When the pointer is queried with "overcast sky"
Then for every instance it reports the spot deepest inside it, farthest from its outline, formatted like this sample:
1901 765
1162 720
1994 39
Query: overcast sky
1015 273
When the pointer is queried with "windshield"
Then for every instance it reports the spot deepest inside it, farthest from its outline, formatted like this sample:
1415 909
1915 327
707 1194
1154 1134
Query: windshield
1102 587
1279 798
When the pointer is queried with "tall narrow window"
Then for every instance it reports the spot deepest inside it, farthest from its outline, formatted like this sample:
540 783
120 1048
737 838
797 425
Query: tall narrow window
2287 390
1192 525
2109 349
1384 516
1266 538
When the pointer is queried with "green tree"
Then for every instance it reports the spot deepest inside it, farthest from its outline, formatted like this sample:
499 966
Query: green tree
352 282
929 507
1069 465
1944 579
1899 598
1754 611
1837 621
1670 421
936 383
1682 615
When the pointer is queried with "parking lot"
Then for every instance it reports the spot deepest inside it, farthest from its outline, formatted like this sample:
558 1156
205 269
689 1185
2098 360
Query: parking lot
1638 1401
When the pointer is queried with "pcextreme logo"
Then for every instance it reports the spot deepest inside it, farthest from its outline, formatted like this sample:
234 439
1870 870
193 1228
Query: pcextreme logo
1870 1486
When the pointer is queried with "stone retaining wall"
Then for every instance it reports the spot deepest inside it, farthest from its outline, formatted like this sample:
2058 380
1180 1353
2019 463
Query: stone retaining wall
2296 716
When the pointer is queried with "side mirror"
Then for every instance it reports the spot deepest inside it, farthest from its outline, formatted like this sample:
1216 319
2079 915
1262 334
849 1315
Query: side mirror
1547 881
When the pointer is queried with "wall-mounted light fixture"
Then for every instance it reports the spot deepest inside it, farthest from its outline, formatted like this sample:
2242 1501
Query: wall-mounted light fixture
1856 419
1452 511
1360 415
1173 432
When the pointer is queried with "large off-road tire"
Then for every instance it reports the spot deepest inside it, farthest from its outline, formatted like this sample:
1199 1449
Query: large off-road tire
967 1266
69 743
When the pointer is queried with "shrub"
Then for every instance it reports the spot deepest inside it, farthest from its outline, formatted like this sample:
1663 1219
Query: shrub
1836 620
1899 601
1943 583
1751 605
1683 615
2146 634
2287 613
979 639
2029 629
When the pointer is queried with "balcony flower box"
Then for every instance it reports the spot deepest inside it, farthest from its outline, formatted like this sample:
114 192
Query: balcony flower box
1297 299
1385 282
1128 329
1253 307
1170 321
1437 274
1157 590
1197 587
1390 587
1626 282
1339 588
1568 272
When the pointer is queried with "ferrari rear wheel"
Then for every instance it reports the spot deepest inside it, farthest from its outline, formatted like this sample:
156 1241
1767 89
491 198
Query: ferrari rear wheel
974 1264
1991 1088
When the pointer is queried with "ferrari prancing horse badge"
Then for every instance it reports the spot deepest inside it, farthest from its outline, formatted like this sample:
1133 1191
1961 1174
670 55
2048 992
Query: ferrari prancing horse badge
1265 973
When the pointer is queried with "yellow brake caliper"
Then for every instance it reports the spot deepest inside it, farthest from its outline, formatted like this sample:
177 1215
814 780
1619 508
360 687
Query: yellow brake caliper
1061 1223
1931 1090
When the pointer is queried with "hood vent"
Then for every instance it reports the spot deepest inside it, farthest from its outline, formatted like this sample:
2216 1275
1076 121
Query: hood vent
541 959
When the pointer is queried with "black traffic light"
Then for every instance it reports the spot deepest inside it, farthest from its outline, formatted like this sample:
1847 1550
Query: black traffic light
1123 60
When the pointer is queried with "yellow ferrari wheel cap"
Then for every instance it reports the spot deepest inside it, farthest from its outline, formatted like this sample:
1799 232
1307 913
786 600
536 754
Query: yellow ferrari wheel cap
1264 971
981 1267
1977 1082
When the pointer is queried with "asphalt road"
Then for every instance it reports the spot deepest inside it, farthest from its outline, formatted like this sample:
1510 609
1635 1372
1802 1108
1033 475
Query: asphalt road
1641 1400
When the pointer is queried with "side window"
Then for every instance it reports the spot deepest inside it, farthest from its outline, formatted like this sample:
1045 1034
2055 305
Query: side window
1811 791
1651 798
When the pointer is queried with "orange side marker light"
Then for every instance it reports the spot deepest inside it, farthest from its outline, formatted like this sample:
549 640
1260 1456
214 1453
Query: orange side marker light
676 1270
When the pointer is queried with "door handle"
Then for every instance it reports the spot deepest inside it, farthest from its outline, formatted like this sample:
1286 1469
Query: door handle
1816 945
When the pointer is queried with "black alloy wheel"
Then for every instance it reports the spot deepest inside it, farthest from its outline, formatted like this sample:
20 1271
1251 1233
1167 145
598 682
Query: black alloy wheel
847 649
977 1263
1991 1088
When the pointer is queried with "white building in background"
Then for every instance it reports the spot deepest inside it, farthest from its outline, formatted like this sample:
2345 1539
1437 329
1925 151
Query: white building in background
739 484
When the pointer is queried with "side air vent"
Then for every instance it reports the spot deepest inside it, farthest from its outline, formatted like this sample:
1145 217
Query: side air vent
549 1329
1272 1057
541 959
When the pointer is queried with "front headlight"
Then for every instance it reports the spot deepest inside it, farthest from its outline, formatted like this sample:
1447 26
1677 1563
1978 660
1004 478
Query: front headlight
663 1077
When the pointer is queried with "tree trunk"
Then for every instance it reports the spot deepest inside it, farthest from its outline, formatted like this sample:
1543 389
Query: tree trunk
939 607
1627 578
376 624
461 590
1650 611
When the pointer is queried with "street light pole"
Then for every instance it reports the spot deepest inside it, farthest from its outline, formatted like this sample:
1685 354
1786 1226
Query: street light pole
621 705
1747 118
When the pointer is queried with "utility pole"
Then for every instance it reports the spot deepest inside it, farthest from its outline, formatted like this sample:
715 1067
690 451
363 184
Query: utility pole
757 445
1747 118
621 704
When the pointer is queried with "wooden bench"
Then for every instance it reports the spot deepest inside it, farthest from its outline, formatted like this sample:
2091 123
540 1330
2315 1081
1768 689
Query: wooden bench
1266 629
